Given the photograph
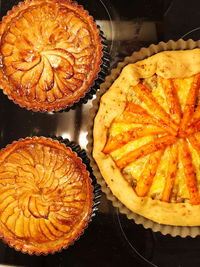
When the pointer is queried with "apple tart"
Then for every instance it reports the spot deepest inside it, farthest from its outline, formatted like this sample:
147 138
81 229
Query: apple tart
50 54
147 137
45 195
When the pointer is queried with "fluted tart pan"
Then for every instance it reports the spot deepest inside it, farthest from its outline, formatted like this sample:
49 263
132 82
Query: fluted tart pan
46 196
50 54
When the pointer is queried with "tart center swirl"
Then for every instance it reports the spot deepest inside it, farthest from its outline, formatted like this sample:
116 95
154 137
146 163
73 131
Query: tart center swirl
42 193
47 53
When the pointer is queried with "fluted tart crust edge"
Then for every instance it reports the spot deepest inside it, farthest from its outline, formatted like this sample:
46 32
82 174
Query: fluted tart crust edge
52 239
67 92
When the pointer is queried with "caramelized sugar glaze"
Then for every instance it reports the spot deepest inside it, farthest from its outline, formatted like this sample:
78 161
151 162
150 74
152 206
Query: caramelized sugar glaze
50 54
45 195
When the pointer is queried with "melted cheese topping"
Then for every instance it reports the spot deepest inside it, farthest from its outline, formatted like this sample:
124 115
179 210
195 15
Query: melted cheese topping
118 127
180 189
131 146
134 169
196 163
159 179
183 86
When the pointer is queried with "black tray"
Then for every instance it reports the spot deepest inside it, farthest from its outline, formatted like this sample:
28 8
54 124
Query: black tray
111 239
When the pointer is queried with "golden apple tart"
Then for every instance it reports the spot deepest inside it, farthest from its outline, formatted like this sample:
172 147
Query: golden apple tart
147 137
45 195
50 54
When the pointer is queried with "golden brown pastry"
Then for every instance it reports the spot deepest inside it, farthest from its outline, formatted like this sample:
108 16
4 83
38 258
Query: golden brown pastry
50 54
147 137
45 195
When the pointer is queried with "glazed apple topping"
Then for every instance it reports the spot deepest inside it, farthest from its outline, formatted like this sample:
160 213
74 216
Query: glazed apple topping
45 192
50 53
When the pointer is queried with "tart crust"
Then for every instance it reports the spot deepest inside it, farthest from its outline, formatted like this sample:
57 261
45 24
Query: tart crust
50 54
46 195
167 64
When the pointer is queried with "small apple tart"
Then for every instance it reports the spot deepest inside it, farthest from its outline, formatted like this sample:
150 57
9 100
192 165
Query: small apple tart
147 137
50 54
45 195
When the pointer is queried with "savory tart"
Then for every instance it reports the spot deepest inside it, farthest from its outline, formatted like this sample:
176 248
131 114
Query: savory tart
45 195
147 137
50 54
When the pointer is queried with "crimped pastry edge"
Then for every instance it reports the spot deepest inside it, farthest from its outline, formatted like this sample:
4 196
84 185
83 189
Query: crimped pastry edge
143 53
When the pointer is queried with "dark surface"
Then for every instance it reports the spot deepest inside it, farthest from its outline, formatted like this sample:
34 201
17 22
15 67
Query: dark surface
111 239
